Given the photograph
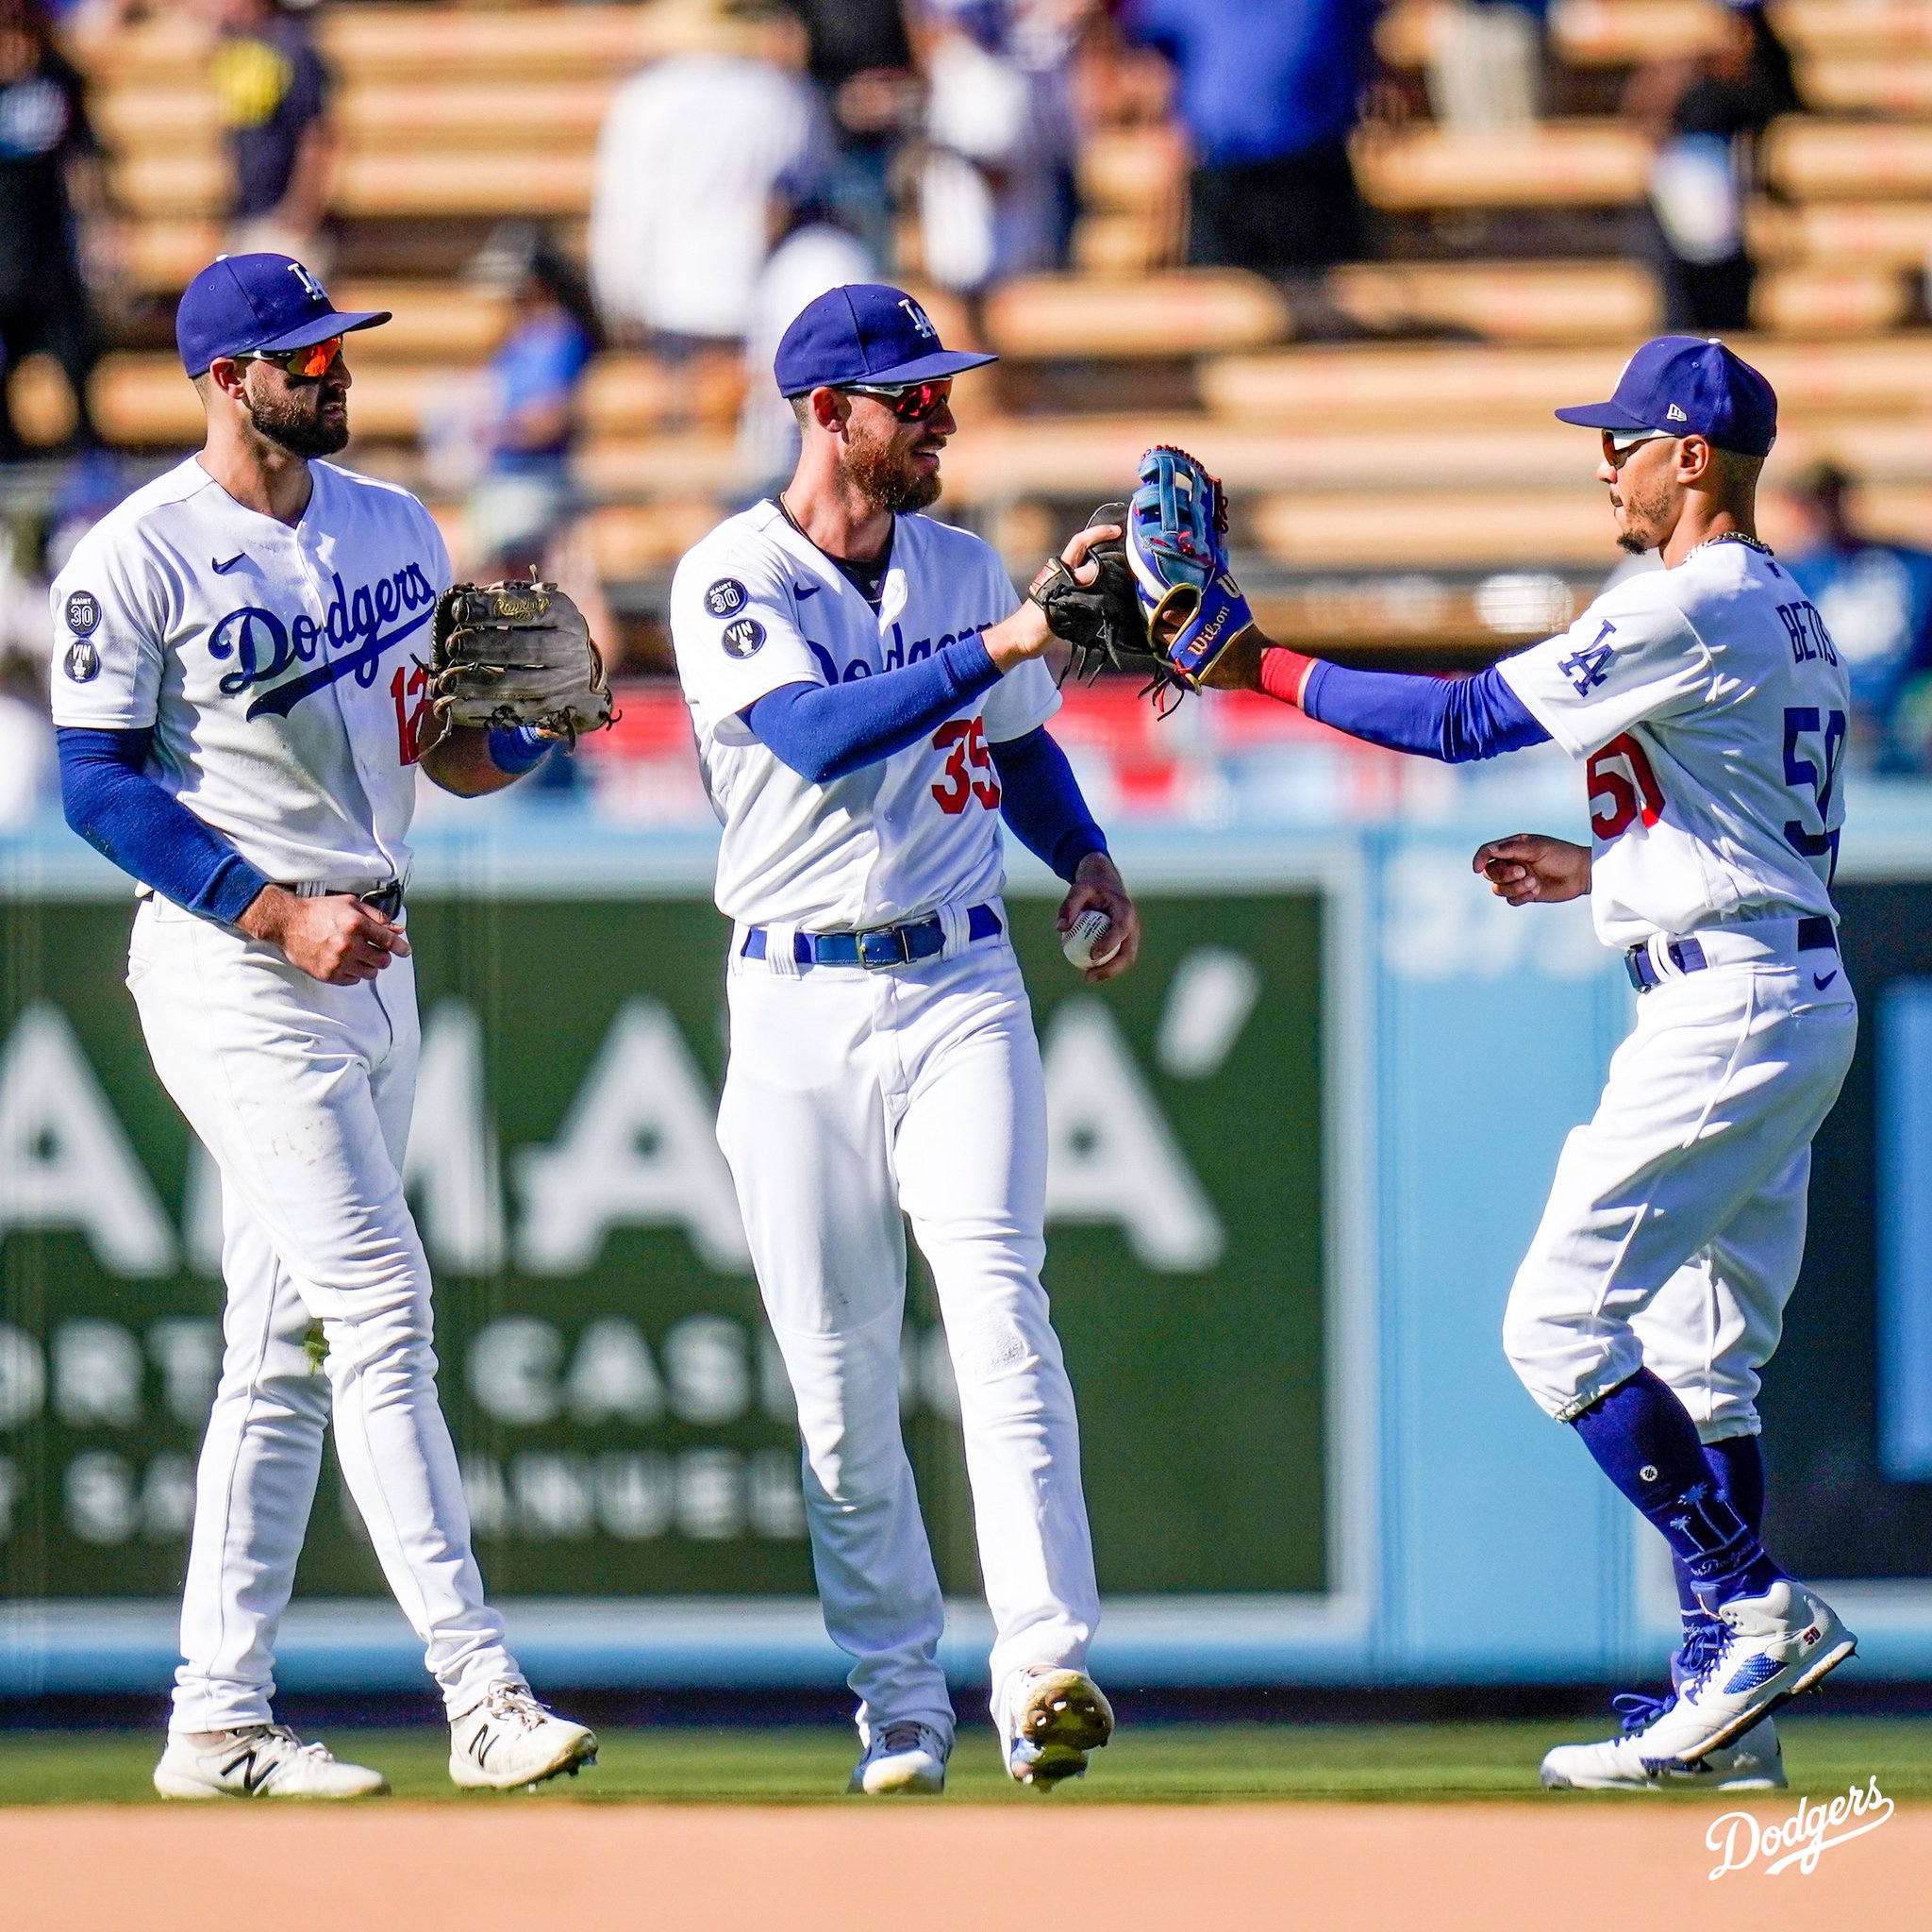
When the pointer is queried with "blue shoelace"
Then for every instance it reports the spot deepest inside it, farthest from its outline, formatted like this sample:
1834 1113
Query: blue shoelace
1698 1655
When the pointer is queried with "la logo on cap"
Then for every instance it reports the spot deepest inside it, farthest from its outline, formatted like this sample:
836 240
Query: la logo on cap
918 317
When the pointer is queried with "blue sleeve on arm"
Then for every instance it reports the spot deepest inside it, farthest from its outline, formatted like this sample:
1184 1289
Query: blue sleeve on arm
112 803
1040 799
826 731
1453 719
515 749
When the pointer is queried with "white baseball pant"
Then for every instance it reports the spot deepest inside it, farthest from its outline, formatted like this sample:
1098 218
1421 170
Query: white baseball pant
1675 1227
302 1094
852 1096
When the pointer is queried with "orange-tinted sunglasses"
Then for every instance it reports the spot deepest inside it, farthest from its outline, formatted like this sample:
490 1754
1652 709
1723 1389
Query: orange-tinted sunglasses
311 362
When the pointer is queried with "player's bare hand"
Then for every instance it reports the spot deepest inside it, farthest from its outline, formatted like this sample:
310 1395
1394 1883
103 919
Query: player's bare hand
337 939
1081 543
1098 888
1531 868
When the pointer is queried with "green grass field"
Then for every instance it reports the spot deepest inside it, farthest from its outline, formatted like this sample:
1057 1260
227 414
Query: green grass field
1152 1764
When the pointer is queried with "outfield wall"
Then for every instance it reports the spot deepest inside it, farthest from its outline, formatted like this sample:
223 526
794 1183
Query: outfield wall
1295 1158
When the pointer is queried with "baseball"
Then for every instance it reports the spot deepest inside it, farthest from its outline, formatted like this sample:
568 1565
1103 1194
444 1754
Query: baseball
1080 939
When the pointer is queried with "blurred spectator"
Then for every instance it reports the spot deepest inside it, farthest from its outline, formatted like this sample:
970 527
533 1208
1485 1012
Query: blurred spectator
1485 62
813 251
274 90
1268 91
1704 118
691 150
50 180
860 57
996 186
1876 599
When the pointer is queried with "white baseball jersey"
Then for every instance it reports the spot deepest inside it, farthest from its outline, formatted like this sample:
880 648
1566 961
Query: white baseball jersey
275 663
756 606
1711 706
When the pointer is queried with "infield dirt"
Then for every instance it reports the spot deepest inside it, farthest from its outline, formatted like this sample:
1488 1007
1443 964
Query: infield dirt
943 1868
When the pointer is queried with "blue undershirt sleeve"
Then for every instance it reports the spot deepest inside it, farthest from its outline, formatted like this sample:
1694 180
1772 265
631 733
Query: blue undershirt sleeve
112 803
1040 801
1453 719
826 731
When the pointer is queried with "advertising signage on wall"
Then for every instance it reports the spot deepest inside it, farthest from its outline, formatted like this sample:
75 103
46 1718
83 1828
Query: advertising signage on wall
624 1422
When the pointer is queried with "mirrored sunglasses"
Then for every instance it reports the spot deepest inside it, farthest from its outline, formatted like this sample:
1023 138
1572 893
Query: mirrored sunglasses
909 401
310 362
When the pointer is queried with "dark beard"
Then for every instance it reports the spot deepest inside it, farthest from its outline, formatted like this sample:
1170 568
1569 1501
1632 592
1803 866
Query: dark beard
1630 540
887 482
295 423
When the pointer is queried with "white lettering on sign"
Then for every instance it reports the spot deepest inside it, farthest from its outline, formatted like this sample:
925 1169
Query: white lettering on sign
65 1160
1111 1155
451 1167
639 1149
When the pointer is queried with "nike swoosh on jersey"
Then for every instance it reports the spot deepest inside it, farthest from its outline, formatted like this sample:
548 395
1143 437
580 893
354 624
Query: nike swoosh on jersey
221 569
806 590
1821 980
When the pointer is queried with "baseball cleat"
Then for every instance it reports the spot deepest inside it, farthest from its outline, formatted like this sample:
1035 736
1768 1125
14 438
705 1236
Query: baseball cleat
260 1762
1755 1763
510 1740
903 1760
1052 1717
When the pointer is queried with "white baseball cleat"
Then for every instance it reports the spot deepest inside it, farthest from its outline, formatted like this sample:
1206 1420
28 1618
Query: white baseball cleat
903 1760
260 1762
510 1740
1755 1763
1049 1719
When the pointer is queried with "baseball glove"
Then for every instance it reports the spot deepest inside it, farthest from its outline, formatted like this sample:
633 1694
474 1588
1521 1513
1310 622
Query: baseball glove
1194 609
516 654
1100 621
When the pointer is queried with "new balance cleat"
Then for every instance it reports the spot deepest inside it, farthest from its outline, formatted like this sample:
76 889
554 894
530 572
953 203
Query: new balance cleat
259 1761
1050 1718
511 1739
903 1760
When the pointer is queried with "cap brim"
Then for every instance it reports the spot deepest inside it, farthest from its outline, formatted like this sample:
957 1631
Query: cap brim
1603 416
320 328
941 362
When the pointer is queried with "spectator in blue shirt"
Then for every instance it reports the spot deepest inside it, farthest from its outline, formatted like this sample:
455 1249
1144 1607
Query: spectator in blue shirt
1876 602
1268 91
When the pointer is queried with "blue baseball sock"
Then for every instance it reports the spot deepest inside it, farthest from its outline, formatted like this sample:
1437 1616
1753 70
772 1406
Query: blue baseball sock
1644 1441
1737 1464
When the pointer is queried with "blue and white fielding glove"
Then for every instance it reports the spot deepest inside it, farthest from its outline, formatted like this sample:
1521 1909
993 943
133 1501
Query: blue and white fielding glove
1175 528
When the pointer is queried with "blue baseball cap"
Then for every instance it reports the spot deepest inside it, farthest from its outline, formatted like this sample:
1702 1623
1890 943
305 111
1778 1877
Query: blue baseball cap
1688 386
251 305
865 332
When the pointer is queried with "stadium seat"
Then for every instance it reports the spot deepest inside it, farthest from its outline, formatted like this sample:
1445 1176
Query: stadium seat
1813 160
1185 314
1509 301
1901 86
1548 164
1898 233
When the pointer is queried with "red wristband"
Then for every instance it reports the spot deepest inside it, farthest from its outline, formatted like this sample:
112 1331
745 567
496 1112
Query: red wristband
1284 673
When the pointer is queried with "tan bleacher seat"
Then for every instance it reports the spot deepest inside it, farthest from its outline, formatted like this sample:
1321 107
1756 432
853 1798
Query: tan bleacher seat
161 255
1425 529
1897 233
1889 375
1815 300
683 463
1551 164
641 539
1129 167
1816 161
1510 301
401 43
1194 311
1583 33
1854 27
1857 84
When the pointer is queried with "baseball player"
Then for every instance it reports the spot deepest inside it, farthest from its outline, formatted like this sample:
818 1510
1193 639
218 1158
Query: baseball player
239 725
1707 704
869 703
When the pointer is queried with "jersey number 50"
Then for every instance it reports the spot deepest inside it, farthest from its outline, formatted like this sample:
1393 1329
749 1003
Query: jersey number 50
964 742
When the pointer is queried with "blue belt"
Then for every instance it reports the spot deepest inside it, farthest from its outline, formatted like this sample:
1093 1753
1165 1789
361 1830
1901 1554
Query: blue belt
1815 934
883 946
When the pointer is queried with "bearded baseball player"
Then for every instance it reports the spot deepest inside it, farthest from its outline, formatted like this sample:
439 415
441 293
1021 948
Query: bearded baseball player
1707 704
240 719
869 705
